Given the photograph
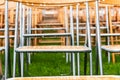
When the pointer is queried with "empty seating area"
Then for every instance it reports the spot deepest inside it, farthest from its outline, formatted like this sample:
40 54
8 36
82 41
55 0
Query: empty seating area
71 28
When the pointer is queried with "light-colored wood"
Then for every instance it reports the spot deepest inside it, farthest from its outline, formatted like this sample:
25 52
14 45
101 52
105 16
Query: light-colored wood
111 31
50 24
50 1
62 21
11 14
113 39
2 18
70 78
34 24
35 40
50 41
118 14
2 2
53 48
43 6
112 2
11 5
11 21
1 25
112 47
39 15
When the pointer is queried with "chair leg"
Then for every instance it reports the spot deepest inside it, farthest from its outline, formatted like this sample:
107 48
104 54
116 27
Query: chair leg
66 56
73 71
69 57
98 38
78 64
85 63
22 63
14 64
73 64
97 64
29 58
19 65
91 64
27 64
9 64
113 57
108 57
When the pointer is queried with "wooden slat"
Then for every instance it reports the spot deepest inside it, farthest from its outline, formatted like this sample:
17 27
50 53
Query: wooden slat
2 2
69 78
50 1
40 6
112 2
53 49
11 5
50 24
111 31
111 48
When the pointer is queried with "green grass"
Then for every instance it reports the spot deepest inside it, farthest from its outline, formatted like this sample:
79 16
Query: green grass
52 64
49 64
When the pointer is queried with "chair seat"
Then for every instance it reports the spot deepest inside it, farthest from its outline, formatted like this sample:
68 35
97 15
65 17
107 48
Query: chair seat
53 49
2 48
111 48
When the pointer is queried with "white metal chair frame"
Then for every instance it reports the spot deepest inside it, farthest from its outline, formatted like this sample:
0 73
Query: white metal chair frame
22 49
88 36
6 48
110 48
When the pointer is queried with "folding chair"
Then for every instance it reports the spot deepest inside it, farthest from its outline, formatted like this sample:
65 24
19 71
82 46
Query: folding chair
87 36
110 47
98 37
23 48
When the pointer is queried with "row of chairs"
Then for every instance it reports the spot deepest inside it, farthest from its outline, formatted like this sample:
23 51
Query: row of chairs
25 36
12 25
